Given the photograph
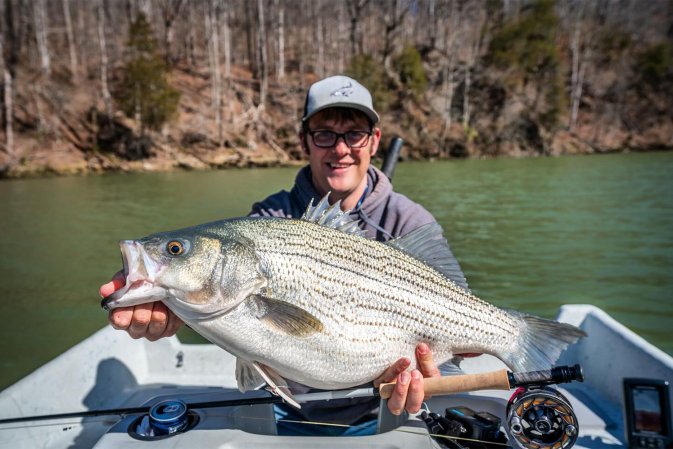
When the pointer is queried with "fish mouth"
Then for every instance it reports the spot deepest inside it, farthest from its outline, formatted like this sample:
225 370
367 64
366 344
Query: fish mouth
139 272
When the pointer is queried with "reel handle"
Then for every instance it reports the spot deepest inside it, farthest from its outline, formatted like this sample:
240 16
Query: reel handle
494 380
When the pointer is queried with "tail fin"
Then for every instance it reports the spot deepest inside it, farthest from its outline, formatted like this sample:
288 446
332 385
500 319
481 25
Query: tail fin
540 343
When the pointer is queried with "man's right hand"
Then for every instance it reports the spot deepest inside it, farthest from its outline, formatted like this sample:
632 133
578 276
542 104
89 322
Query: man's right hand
152 320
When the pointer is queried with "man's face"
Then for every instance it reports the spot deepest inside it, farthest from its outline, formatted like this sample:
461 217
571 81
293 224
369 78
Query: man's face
339 169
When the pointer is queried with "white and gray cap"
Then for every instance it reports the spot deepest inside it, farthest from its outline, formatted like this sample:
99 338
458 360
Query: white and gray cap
339 91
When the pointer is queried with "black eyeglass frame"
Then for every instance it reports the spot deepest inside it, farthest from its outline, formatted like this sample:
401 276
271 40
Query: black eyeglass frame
343 136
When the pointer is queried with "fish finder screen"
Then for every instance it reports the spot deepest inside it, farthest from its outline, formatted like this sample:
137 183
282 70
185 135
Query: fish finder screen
647 410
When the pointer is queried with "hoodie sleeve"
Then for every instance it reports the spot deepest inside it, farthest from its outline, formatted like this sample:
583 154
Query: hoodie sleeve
276 205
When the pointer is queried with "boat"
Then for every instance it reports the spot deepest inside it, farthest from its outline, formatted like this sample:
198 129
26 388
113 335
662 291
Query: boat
56 406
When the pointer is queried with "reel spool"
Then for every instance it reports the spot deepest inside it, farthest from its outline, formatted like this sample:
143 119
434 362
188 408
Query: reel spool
540 418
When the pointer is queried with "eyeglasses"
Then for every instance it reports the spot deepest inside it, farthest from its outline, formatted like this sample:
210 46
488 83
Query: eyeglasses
327 139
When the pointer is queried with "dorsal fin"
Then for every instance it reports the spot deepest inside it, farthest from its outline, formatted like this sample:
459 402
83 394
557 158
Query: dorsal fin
332 217
427 244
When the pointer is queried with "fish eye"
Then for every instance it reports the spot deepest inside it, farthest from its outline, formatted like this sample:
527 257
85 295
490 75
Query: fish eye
175 247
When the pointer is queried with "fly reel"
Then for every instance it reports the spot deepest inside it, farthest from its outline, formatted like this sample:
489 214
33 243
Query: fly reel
540 418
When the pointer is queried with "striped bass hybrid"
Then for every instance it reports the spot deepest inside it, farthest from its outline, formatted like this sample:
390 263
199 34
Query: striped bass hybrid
314 301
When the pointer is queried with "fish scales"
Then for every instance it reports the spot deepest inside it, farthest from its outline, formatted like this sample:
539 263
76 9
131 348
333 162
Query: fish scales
415 309
312 301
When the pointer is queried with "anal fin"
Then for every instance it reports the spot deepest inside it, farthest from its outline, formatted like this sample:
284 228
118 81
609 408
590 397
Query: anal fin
247 376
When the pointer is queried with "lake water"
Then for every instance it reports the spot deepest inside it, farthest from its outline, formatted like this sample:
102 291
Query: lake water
531 234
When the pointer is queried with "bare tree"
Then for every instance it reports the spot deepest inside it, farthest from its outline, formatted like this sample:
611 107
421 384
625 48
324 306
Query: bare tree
355 10
212 28
393 19
341 32
249 38
170 9
261 50
474 35
580 48
226 42
41 35
72 51
105 91
8 102
319 41
449 87
11 38
280 34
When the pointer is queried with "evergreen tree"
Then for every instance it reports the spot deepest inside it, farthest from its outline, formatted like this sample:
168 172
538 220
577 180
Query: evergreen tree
527 49
371 74
144 92
409 66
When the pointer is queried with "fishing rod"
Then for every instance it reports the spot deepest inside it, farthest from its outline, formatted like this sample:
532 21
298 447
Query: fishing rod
391 156
494 380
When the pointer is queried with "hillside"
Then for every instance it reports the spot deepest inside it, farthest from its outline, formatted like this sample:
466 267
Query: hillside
520 85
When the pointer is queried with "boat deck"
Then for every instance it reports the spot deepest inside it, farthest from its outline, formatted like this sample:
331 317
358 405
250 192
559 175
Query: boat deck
110 370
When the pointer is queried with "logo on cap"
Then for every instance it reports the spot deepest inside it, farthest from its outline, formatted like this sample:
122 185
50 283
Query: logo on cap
345 91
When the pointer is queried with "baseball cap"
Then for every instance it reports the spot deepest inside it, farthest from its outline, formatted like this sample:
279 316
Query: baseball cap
339 91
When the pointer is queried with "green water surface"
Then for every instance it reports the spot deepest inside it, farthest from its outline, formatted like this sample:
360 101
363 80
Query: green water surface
531 234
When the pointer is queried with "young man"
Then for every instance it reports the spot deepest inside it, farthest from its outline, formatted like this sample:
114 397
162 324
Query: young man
339 135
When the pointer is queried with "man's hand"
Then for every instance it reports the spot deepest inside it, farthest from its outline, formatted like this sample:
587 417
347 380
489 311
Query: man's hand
152 320
409 393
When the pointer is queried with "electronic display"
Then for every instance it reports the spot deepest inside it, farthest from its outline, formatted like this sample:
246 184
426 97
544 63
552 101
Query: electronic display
648 413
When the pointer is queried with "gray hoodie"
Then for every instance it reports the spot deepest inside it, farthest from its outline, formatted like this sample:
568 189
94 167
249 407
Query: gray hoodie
383 214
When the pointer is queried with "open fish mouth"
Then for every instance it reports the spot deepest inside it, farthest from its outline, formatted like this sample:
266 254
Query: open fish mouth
140 272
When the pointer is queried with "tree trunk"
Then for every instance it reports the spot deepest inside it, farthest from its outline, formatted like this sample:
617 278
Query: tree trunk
191 19
450 85
252 58
355 8
434 27
170 9
41 35
319 39
71 40
394 21
341 49
212 28
581 56
263 61
474 49
11 38
105 91
9 114
226 36
280 64
8 103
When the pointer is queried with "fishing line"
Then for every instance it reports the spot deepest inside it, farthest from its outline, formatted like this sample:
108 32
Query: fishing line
254 418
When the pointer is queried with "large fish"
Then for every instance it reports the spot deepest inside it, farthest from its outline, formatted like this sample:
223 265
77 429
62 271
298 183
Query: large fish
313 301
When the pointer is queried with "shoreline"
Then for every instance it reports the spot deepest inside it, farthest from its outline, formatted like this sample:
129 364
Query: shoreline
77 163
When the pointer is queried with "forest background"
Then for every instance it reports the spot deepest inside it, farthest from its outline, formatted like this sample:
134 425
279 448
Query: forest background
124 85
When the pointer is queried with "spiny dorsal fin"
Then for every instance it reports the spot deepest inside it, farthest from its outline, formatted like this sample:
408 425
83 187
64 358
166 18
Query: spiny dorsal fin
332 217
427 244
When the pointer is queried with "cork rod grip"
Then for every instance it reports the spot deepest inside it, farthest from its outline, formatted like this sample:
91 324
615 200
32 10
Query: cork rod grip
494 380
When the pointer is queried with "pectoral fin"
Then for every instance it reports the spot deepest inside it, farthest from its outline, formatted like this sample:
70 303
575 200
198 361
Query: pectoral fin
286 317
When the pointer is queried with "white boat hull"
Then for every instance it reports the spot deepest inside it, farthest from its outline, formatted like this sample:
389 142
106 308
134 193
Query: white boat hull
110 370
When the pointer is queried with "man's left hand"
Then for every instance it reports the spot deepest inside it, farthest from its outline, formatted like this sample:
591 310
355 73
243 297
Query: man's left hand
409 393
